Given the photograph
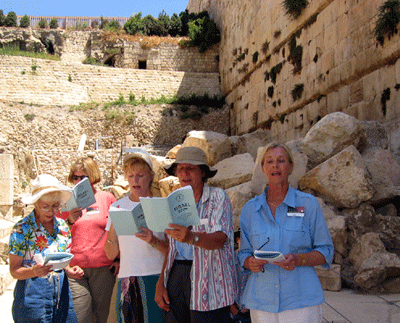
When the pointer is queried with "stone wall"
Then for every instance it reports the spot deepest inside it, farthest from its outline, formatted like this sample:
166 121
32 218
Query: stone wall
50 82
343 66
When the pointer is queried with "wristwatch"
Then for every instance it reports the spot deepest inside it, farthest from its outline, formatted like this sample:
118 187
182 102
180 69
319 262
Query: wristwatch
195 239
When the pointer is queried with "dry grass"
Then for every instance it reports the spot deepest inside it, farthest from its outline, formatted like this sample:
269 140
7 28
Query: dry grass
148 41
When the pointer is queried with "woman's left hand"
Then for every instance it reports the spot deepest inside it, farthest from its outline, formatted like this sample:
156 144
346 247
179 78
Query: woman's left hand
289 264
179 232
146 235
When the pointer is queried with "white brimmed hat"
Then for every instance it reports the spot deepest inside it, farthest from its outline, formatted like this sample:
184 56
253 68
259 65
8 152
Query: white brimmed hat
139 153
44 184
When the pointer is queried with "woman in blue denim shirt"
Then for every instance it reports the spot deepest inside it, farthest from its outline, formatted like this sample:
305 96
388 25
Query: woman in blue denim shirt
291 222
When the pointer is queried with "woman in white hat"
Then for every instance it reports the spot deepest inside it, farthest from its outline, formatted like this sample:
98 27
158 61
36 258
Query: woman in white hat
41 295
142 255
199 281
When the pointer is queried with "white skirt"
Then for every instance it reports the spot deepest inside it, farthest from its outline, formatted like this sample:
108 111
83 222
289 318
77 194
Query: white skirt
312 314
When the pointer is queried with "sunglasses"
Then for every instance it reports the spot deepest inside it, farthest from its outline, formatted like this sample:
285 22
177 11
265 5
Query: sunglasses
76 177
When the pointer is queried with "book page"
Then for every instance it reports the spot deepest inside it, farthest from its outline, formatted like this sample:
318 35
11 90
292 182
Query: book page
183 207
82 196
124 220
156 212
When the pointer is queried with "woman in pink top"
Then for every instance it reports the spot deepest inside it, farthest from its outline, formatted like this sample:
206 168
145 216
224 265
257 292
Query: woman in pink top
91 280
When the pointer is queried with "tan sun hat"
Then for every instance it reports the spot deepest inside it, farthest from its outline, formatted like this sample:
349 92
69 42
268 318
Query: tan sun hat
193 156
139 153
44 184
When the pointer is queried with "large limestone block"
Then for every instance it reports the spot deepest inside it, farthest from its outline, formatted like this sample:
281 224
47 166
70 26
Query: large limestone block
171 154
342 180
377 268
239 196
117 191
168 185
250 142
332 134
259 181
385 172
364 248
330 277
217 146
376 135
233 171
158 167
6 179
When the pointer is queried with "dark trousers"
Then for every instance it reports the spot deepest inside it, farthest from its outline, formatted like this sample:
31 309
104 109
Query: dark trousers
179 290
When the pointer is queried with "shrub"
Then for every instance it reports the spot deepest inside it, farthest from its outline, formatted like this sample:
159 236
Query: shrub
293 8
271 91
388 19
29 116
24 22
42 23
2 18
53 23
103 22
112 25
255 57
94 24
91 61
203 33
11 19
134 25
297 91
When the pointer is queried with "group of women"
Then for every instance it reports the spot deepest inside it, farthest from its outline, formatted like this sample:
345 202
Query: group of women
185 274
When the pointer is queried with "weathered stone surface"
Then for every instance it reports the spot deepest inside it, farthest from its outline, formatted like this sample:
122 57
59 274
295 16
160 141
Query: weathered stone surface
168 185
338 229
217 146
158 167
364 248
332 134
377 268
330 277
385 172
172 152
117 191
250 142
259 180
233 171
342 180
376 135
239 196
387 210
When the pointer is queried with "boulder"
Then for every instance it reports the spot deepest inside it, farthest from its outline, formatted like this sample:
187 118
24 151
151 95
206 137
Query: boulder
216 146
364 248
377 268
259 180
342 180
330 277
239 196
250 142
387 210
233 171
385 172
168 185
116 190
171 154
158 167
332 134
376 135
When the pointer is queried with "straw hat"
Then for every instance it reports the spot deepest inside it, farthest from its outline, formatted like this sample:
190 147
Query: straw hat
139 153
44 184
193 156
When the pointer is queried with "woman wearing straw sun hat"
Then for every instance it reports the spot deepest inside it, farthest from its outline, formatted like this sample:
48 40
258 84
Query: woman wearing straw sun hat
199 281
142 255
41 295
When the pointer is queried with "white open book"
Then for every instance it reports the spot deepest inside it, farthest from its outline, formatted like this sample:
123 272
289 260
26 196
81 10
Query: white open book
82 196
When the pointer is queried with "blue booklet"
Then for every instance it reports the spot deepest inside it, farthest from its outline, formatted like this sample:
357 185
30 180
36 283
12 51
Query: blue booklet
59 260
82 196
127 222
179 207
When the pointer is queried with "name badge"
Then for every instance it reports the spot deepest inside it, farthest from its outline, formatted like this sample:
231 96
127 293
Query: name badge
297 211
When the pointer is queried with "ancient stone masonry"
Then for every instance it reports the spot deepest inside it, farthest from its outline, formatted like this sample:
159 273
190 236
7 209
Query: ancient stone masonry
329 51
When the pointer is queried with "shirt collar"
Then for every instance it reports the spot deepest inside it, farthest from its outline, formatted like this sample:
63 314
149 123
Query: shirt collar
206 193
290 198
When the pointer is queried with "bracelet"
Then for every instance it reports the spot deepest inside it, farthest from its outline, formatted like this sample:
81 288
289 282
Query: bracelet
155 243
111 242
303 259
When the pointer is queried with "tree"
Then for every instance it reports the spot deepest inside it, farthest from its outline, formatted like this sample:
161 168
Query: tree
134 25
42 23
175 28
203 33
11 19
112 25
24 22
163 24
149 26
2 18
53 23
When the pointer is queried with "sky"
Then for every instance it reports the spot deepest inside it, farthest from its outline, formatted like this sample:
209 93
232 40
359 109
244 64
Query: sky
84 8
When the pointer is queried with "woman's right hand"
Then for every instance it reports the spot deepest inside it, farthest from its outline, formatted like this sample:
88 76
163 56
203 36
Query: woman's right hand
253 264
161 297
74 215
41 270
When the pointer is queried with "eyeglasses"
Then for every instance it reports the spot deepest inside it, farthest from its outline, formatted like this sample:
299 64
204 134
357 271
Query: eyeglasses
264 244
54 208
76 177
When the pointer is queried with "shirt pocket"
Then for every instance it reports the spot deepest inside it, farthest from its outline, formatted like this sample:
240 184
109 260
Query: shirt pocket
296 235
259 236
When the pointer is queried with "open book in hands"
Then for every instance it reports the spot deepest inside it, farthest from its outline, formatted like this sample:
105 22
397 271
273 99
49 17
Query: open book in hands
59 260
270 256
127 222
82 196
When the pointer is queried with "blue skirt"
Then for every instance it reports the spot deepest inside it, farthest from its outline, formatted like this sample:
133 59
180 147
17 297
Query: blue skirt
44 299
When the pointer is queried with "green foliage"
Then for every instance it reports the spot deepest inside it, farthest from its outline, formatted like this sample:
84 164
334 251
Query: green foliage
112 25
297 91
175 25
69 78
134 25
293 8
149 26
53 23
384 98
265 47
282 117
295 55
103 22
11 20
271 91
273 73
42 23
163 24
24 22
203 33
2 18
388 19
131 98
81 24
15 51
255 57
29 116
92 61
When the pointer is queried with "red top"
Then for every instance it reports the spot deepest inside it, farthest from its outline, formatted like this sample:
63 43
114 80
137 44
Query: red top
89 235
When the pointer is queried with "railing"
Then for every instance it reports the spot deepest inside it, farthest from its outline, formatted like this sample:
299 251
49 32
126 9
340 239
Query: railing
73 22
